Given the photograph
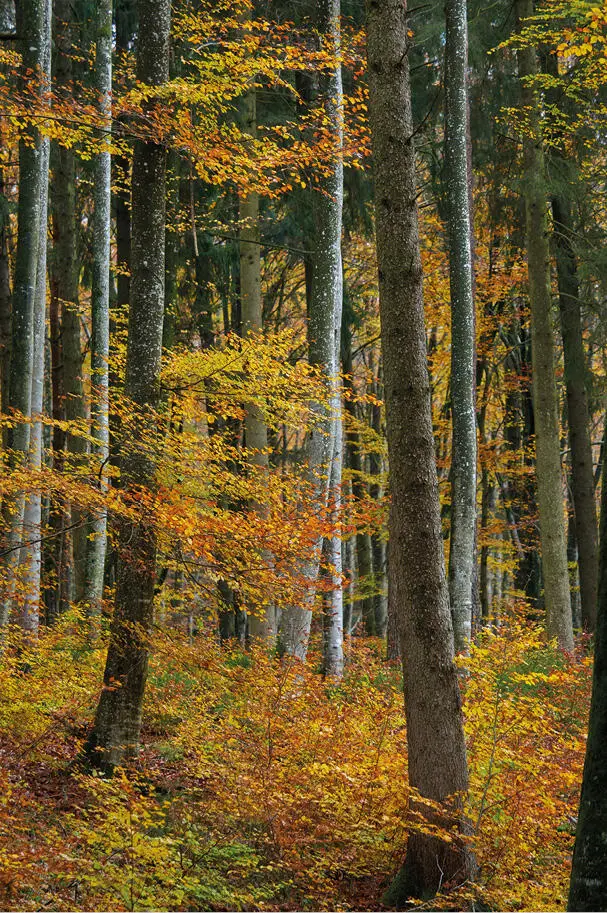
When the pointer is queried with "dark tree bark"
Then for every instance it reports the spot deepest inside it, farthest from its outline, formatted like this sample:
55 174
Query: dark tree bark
418 584
117 726
588 887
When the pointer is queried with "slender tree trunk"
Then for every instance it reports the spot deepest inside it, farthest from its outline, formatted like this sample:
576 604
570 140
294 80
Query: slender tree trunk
31 551
582 476
5 308
418 584
324 314
462 559
100 310
588 887
31 19
256 432
333 660
117 726
545 403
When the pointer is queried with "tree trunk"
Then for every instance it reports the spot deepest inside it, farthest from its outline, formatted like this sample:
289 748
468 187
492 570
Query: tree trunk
545 403
31 20
333 659
582 476
418 584
324 318
462 556
117 726
588 887
100 310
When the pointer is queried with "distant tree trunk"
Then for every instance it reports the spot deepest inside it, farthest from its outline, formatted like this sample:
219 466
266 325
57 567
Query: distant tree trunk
256 432
545 403
31 21
578 419
418 584
462 556
324 313
117 726
100 309
588 887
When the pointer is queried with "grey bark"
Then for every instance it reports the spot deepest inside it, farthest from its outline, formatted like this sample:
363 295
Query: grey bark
545 403
463 344
324 317
418 584
117 725
31 19
100 310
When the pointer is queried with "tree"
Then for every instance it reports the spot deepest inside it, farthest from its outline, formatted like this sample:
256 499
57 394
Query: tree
417 580
545 403
100 307
588 886
463 349
117 725
325 309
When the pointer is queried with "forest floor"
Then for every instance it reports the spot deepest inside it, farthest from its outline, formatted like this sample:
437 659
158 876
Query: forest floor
262 787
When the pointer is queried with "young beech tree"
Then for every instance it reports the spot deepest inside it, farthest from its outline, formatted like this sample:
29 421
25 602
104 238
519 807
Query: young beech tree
588 887
100 306
117 725
324 316
417 580
545 403
463 349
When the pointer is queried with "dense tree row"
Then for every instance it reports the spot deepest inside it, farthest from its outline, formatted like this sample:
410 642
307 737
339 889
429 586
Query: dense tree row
280 363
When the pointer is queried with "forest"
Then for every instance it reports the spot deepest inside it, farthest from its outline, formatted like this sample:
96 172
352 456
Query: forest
303 398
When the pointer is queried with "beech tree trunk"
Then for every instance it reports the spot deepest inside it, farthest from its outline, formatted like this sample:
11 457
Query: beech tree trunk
117 725
545 403
588 887
324 318
463 344
418 584
31 22
100 310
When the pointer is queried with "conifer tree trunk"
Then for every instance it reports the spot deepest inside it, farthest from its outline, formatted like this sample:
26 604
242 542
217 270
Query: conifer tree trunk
588 886
31 21
418 584
545 403
100 309
463 343
324 318
117 726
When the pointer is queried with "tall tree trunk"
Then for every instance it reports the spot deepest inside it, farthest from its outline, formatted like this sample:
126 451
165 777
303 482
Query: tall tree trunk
31 20
31 552
463 344
5 305
117 724
325 310
333 643
100 309
256 433
545 403
418 584
588 887
582 476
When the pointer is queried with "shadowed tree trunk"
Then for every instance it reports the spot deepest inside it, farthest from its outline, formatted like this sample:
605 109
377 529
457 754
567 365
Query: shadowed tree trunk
418 585
545 403
463 345
116 730
588 887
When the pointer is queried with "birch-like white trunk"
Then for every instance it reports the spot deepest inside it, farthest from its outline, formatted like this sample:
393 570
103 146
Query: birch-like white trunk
463 354
100 310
